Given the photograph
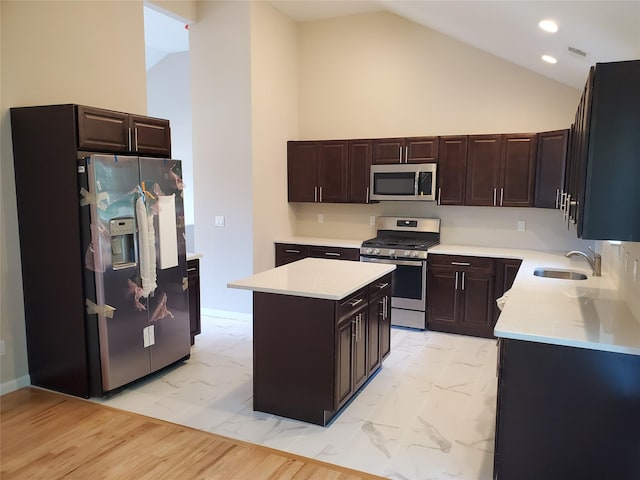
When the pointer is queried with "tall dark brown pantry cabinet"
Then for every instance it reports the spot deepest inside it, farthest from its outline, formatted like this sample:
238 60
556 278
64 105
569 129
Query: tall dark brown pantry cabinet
79 171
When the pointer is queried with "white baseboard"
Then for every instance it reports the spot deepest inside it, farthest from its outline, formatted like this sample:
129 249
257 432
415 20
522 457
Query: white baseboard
13 385
210 312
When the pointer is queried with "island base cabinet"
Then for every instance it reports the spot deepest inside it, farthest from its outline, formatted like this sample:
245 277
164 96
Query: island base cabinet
566 412
311 355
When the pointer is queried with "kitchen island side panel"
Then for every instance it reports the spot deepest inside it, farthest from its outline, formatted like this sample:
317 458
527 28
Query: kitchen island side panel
293 356
567 412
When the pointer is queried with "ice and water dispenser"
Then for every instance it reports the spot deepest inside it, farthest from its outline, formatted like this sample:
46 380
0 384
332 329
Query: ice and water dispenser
122 231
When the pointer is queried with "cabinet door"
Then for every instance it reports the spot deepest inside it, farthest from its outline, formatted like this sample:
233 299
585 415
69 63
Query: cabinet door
302 164
388 150
452 170
483 170
442 295
552 155
360 153
421 150
344 360
385 325
333 170
477 309
360 366
376 305
518 170
102 130
193 276
150 135
506 271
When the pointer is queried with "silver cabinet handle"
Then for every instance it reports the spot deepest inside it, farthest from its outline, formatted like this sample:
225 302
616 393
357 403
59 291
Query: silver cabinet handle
354 330
292 251
557 197
406 154
315 194
501 195
129 135
332 254
563 197
320 194
135 137
494 197
463 280
439 195
400 155
193 269
456 281
463 264
382 311
353 303
366 198
382 285
567 201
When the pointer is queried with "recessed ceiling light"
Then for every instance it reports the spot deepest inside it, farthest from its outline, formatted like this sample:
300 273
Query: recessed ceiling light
548 26
549 59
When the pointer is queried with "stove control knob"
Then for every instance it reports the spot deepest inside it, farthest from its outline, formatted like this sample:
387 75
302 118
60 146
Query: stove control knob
407 253
414 254
377 251
369 250
392 252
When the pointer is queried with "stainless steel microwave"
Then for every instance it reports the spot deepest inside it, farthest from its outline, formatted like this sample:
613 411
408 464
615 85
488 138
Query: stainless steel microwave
407 181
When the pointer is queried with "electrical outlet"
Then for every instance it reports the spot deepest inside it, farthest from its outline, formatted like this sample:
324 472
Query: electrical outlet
626 261
2 350
321 218
522 225
372 220
219 220
635 270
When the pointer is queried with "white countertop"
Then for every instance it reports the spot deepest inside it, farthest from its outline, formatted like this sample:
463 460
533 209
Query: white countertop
317 241
193 256
575 313
316 278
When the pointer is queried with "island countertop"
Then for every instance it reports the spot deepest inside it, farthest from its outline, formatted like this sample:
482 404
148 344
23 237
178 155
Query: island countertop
315 278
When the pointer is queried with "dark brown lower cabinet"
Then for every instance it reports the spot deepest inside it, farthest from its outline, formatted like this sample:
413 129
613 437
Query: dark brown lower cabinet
566 412
291 252
193 277
506 271
460 290
311 355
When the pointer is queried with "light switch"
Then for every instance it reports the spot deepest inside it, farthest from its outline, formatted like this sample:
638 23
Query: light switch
219 221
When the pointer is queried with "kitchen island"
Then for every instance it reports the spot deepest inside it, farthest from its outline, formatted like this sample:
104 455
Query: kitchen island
321 329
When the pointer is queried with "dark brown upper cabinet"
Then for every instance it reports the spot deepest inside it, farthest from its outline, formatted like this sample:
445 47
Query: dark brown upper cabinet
360 154
501 170
452 170
605 148
552 156
405 150
318 171
110 131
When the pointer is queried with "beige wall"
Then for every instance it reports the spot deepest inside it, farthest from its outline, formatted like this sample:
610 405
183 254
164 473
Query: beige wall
274 103
184 10
614 258
58 52
376 75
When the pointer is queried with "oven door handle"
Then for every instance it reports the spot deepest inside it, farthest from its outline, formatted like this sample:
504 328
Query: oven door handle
408 263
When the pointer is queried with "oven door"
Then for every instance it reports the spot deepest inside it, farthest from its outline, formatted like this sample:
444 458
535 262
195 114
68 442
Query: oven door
409 282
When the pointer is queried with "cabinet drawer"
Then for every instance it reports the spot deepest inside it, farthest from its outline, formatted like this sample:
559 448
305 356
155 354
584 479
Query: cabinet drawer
290 252
352 303
337 253
379 286
462 262
193 268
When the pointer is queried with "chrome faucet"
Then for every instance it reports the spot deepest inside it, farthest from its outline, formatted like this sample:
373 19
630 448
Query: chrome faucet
595 263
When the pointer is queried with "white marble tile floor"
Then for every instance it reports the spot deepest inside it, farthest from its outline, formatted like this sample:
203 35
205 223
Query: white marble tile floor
429 413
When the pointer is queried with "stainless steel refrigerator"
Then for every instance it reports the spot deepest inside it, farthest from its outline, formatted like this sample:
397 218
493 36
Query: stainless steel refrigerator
135 279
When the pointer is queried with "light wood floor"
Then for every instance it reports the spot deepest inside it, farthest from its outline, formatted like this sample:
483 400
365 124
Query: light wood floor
45 435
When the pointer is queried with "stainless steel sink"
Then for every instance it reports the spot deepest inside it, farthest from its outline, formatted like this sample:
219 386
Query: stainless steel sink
563 274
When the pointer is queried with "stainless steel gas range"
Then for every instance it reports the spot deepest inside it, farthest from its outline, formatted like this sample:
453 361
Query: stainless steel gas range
405 242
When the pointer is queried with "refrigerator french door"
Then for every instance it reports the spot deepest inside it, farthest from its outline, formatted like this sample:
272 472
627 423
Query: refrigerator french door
135 266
